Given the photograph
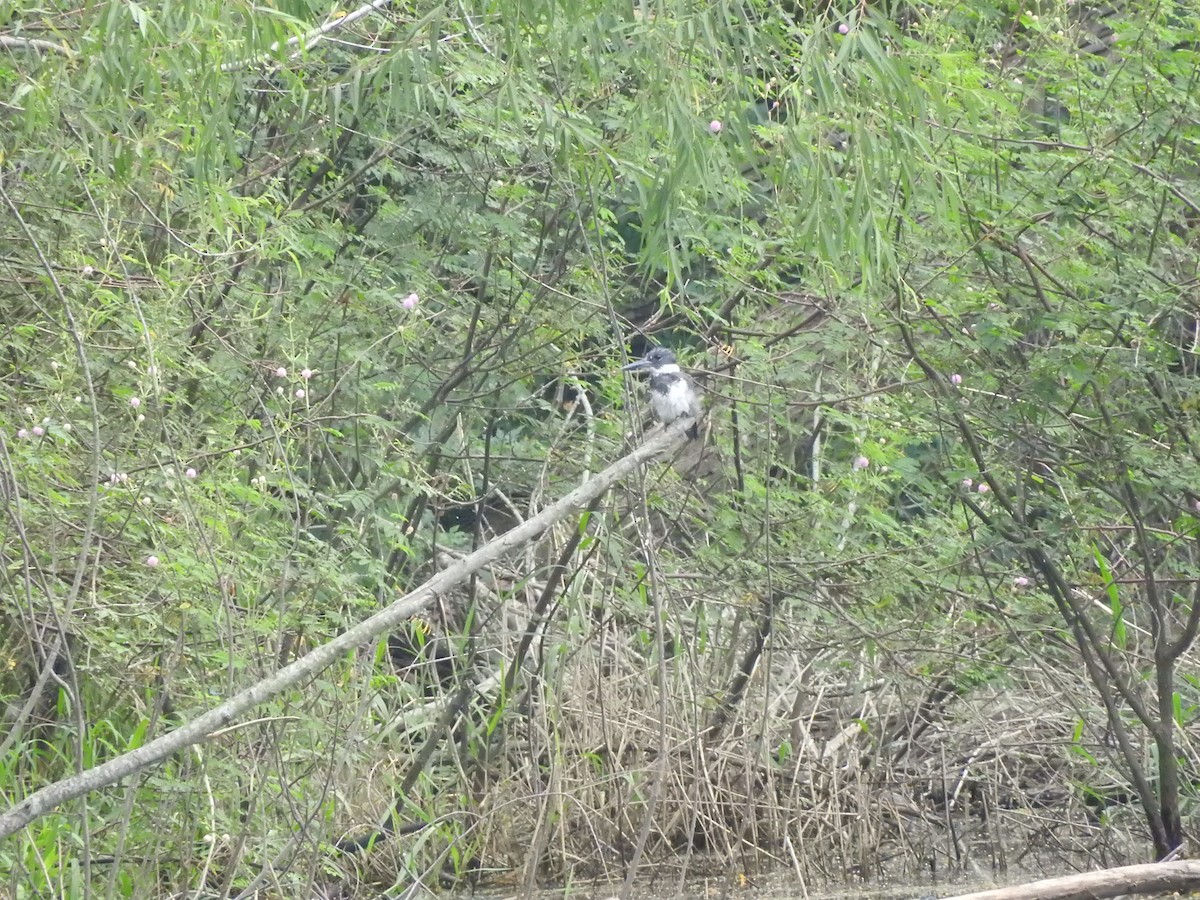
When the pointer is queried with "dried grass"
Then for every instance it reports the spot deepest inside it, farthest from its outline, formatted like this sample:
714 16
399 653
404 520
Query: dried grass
849 757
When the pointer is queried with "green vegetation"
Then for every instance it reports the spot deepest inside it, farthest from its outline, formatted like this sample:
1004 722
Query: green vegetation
301 303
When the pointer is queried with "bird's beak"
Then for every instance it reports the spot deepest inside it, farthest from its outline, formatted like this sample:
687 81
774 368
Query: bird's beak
636 364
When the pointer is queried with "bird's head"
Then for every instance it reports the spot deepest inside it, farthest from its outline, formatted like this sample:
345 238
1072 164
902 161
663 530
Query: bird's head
657 359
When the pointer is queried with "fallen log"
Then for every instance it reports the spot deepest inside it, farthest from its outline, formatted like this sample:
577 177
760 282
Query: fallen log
1183 875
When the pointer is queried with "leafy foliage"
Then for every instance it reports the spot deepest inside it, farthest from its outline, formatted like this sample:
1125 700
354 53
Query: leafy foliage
296 306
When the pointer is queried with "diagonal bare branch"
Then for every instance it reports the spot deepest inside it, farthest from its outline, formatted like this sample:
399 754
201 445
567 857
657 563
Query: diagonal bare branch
42 801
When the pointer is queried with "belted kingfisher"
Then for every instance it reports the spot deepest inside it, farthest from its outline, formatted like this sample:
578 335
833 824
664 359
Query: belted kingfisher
673 394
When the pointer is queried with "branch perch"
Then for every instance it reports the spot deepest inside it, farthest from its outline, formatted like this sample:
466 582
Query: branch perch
1144 879
34 45
54 795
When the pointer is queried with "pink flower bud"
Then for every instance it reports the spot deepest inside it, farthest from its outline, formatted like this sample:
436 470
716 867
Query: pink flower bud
22 433
861 462
135 402
714 127
956 378
300 394
38 430
843 28
983 488
968 483
410 301
151 561
281 372
306 374
1021 581
190 473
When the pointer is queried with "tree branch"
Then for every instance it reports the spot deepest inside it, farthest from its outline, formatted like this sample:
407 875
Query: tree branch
42 801
8 42
311 38
1150 878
